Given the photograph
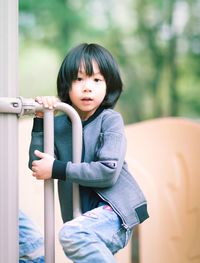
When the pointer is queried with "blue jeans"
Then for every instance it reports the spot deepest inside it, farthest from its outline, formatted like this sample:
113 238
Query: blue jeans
31 242
95 236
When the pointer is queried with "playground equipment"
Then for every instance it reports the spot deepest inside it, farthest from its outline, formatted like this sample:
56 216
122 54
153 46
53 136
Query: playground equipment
163 155
22 106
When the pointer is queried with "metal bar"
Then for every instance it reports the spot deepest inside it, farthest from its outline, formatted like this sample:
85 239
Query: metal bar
49 219
77 148
20 106
9 245
10 105
76 144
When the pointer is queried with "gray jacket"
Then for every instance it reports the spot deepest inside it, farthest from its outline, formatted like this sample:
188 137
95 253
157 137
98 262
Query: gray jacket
103 167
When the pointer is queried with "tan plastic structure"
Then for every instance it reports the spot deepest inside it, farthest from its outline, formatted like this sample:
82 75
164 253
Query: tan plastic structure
164 156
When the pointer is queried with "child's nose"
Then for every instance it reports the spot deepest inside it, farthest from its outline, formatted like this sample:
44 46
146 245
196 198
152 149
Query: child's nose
87 86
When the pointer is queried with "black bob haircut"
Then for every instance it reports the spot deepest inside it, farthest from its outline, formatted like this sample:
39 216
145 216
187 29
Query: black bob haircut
86 54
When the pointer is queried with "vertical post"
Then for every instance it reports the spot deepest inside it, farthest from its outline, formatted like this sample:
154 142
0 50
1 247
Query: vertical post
9 250
49 224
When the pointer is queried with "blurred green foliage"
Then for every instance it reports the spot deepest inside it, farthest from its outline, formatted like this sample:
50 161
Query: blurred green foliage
156 43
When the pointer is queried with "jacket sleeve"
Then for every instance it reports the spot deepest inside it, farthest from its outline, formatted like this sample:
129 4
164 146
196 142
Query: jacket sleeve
36 140
105 170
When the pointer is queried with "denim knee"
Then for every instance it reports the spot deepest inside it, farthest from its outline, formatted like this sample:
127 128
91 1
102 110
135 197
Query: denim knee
70 236
67 233
62 234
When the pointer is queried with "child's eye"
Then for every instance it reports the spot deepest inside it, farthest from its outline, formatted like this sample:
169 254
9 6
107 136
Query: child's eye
79 79
97 80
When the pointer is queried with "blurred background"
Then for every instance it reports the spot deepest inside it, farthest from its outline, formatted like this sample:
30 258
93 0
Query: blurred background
156 43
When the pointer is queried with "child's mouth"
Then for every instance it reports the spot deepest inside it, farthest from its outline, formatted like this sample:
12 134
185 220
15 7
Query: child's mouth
86 99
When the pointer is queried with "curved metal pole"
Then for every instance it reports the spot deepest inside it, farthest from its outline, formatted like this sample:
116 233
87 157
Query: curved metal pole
76 144
49 220
77 148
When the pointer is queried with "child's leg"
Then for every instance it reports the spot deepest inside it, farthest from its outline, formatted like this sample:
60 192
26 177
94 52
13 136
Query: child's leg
31 243
94 236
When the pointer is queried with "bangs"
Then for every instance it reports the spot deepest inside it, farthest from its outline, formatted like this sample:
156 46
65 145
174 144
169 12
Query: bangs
83 61
86 65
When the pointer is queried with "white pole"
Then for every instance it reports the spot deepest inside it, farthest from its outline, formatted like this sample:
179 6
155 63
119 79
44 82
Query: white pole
9 249
49 219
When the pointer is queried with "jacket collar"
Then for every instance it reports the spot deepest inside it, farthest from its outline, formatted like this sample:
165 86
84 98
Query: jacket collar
91 118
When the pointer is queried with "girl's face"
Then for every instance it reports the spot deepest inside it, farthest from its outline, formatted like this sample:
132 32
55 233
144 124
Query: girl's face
87 92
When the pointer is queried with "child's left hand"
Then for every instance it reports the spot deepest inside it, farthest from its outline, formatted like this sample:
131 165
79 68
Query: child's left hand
42 169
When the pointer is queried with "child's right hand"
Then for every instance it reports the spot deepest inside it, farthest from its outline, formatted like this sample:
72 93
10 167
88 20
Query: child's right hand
48 102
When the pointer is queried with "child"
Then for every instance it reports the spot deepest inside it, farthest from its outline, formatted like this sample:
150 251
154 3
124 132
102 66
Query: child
111 201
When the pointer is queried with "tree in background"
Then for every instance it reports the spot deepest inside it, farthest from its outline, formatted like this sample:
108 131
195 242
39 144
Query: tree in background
156 43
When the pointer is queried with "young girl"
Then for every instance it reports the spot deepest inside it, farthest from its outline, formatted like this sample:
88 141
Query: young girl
111 201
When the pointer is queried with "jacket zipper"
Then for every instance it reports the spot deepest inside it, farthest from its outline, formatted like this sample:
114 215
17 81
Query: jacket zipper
115 210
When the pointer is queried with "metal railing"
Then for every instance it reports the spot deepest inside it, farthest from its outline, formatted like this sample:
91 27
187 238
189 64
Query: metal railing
22 106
